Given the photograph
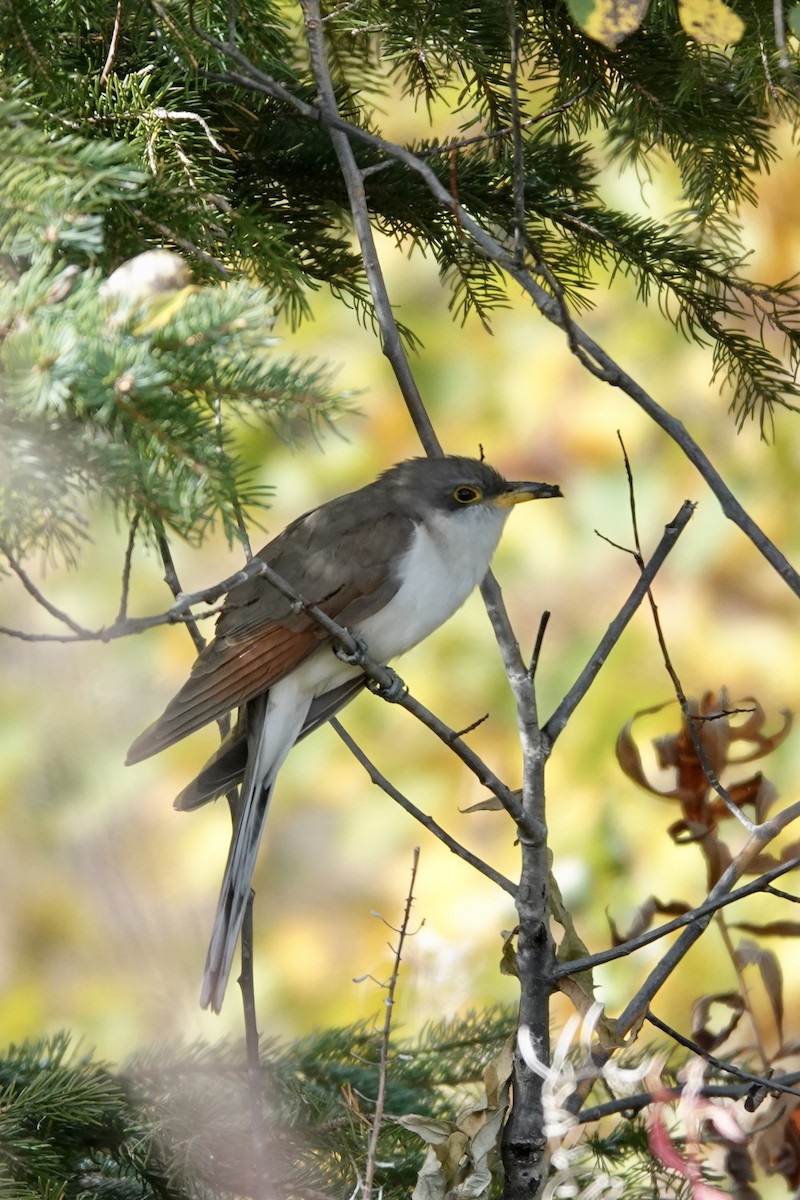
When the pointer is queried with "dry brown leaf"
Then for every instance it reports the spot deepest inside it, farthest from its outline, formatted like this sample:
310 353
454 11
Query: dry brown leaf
770 928
702 1008
749 953
508 959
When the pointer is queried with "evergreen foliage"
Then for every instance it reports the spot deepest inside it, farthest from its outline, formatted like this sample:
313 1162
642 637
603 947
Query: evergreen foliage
132 127
175 1122
130 401
242 181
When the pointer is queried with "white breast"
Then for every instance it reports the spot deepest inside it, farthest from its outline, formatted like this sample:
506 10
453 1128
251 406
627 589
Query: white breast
448 557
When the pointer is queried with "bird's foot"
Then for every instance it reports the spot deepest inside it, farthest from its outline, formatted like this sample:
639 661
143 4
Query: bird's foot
391 689
357 657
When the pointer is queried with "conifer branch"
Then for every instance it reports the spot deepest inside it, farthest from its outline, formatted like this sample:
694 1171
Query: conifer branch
590 354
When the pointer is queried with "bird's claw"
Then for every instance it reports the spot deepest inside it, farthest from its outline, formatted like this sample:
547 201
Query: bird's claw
391 691
356 657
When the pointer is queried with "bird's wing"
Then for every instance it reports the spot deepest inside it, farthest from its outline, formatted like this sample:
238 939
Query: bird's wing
346 569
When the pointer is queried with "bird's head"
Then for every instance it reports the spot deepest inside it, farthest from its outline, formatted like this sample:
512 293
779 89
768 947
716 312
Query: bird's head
454 483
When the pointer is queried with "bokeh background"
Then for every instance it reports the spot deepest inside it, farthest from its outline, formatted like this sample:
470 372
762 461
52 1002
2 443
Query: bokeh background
108 894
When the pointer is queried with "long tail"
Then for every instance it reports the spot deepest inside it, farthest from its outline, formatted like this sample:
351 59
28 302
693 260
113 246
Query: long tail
273 723
233 897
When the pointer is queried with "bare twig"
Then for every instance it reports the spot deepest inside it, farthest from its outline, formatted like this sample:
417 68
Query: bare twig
537 647
30 587
183 243
634 1011
719 1064
122 613
390 335
689 720
108 66
516 132
255 1083
707 908
383 1071
629 1105
506 795
487 135
428 822
612 635
173 583
244 537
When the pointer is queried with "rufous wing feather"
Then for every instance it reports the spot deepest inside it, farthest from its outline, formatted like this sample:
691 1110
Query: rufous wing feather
226 675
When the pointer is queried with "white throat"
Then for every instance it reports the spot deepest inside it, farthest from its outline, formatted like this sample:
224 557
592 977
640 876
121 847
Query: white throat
448 557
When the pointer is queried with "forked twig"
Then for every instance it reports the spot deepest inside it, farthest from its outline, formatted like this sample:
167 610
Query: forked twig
689 720
30 587
612 635
383 1073
707 908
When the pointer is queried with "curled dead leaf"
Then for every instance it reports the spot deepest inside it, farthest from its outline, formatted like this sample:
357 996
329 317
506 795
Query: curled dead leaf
702 1009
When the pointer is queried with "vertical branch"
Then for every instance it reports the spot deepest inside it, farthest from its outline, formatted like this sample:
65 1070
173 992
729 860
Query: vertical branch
237 508
173 583
246 983
255 1087
516 133
126 568
391 342
391 988
524 1142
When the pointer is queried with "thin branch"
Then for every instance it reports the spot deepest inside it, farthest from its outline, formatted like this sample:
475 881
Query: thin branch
612 635
108 66
383 1072
255 1083
506 795
590 354
126 568
390 335
628 1106
183 243
689 719
707 908
30 587
244 537
636 1008
537 647
516 130
720 1064
487 135
173 583
428 822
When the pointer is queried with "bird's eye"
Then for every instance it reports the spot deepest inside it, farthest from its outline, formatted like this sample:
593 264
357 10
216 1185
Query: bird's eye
466 494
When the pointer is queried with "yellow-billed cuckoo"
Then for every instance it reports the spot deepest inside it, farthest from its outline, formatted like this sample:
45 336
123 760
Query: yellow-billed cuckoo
391 562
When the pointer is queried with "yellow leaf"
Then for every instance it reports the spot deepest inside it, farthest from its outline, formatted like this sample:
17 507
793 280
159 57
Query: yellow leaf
710 22
609 21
